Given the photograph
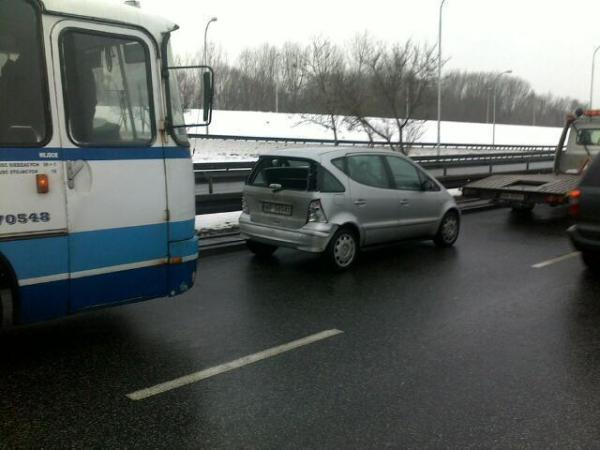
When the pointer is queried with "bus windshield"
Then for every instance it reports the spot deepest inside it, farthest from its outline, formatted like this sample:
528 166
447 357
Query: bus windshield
23 98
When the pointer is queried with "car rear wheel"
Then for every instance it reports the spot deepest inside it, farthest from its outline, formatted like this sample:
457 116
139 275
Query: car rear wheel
448 231
342 250
591 260
260 249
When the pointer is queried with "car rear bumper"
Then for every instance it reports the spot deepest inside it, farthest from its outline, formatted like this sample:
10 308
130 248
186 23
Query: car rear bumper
584 240
313 237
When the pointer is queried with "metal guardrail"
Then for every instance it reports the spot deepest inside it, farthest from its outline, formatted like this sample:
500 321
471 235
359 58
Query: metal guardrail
213 173
233 168
347 142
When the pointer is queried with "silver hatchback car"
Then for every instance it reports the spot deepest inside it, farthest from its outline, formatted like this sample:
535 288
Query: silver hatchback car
335 201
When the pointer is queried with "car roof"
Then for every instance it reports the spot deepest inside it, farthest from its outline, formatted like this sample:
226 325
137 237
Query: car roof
327 152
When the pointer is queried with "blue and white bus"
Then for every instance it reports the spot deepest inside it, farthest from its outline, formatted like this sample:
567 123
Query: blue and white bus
96 181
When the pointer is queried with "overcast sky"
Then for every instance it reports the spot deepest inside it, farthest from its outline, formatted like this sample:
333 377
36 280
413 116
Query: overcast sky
547 42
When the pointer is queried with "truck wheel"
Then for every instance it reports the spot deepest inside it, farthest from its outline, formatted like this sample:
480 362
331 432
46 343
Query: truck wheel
261 250
448 231
342 250
522 208
591 260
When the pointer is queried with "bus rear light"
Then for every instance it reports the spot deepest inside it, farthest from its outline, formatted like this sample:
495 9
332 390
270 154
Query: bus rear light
43 183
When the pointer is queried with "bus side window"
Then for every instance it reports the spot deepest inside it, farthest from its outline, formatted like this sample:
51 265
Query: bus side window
24 117
108 90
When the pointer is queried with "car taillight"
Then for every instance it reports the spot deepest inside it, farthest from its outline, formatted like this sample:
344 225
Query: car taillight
245 208
574 206
316 213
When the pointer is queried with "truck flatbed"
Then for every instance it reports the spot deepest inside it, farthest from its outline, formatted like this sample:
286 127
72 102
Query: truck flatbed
538 188
581 135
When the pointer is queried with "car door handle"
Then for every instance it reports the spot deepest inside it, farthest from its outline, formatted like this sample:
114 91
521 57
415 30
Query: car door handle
360 202
404 202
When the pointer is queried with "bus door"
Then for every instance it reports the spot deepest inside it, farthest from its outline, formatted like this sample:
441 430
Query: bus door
114 163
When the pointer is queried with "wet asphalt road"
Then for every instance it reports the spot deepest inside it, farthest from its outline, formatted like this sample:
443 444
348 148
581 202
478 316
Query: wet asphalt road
441 348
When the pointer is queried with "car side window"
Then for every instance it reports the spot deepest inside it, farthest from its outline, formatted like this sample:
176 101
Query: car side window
404 174
428 183
328 182
368 170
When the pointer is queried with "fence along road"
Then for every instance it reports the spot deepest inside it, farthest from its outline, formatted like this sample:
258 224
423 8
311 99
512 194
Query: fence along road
219 185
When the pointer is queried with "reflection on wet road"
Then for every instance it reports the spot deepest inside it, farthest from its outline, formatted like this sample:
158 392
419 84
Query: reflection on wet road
470 346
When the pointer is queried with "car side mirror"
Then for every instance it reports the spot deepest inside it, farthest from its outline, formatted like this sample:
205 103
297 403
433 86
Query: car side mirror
428 185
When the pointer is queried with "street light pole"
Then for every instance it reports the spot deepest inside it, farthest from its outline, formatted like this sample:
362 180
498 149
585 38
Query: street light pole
214 19
439 93
592 80
494 107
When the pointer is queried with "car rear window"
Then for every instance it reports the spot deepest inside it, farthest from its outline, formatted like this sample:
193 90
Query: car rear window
592 175
295 174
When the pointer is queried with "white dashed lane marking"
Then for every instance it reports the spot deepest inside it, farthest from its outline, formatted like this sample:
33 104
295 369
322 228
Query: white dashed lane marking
555 260
236 364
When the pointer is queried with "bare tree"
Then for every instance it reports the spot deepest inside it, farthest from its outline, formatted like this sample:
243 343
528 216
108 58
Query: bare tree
325 67
357 85
292 73
391 81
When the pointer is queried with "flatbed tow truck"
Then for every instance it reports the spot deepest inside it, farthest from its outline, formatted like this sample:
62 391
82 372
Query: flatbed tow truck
578 144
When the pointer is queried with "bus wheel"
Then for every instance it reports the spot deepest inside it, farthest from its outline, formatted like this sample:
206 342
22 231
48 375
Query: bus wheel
6 308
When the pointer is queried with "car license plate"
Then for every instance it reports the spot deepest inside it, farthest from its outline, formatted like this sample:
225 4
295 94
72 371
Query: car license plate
512 196
279 209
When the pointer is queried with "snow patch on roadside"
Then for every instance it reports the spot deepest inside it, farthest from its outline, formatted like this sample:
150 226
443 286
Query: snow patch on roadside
217 224
269 124
257 123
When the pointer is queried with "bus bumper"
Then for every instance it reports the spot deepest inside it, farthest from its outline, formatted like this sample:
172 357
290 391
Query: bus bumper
183 256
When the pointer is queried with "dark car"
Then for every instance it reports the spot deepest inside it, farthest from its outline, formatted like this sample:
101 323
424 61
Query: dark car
585 209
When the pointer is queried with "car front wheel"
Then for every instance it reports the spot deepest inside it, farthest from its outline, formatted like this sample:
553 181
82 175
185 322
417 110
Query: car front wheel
591 260
342 250
448 231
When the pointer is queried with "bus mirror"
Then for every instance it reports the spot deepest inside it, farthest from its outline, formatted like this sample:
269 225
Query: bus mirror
207 85
197 92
